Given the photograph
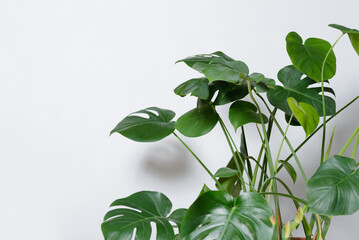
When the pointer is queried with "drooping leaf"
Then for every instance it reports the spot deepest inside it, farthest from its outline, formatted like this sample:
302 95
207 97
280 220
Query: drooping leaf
137 212
299 89
156 126
226 172
307 116
218 67
309 57
198 121
217 215
353 35
290 169
242 112
197 87
334 188
228 92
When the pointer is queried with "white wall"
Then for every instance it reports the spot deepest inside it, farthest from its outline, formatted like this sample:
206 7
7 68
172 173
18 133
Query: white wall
72 69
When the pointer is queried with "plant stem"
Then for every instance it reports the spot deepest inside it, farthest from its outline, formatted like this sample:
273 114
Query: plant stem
323 97
355 146
349 141
285 195
200 162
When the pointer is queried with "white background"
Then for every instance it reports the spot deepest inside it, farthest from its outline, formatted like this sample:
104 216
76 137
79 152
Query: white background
72 69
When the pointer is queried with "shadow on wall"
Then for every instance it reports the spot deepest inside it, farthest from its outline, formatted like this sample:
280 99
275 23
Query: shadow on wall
168 160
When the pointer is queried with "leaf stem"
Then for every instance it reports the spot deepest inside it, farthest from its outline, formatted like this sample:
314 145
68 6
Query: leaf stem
349 141
200 162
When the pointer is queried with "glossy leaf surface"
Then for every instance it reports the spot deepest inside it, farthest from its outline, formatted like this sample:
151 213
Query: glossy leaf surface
198 121
155 126
307 116
217 215
228 92
241 113
353 35
197 87
137 212
309 57
334 188
299 89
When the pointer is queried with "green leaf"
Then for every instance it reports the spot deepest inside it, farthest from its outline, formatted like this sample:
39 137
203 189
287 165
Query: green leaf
290 169
297 88
218 67
137 212
204 189
353 35
197 87
226 172
334 188
309 57
157 126
228 92
241 113
307 116
262 84
198 121
217 215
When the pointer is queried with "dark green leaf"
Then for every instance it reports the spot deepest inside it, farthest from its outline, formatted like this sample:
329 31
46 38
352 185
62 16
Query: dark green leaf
217 215
140 210
198 121
294 121
309 58
353 35
177 216
229 92
334 188
297 88
241 113
226 172
197 87
157 126
262 84
290 169
344 29
307 116
204 189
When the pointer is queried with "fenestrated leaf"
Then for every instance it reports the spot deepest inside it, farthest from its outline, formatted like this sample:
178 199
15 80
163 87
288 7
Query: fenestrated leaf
137 212
217 215
334 188
353 35
299 89
198 121
151 129
242 112
228 92
307 116
197 87
226 172
290 169
309 57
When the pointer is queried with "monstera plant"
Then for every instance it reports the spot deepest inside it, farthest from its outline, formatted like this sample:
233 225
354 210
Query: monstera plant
244 201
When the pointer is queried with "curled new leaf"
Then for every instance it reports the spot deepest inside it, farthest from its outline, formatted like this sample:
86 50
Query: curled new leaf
156 126
137 212
309 57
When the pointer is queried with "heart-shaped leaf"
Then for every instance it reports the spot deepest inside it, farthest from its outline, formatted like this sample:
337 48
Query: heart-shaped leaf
309 57
307 116
137 212
217 215
197 87
157 126
242 112
334 188
353 35
297 88
198 121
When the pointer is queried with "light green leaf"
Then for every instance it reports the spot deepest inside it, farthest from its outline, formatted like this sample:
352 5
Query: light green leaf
226 172
198 121
197 87
334 188
299 89
241 113
353 35
137 212
309 57
157 126
306 115
217 215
